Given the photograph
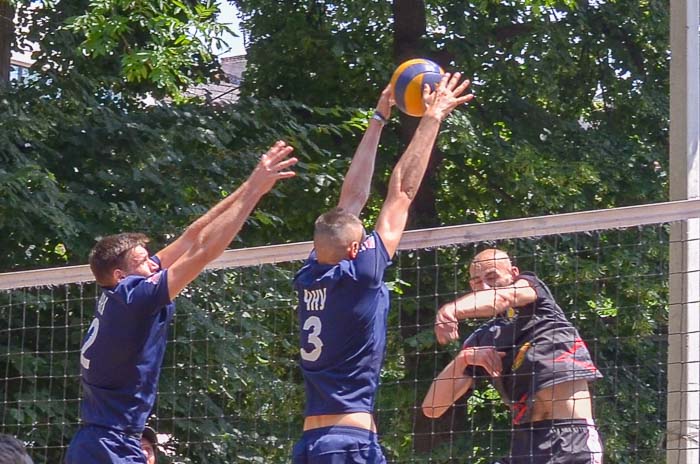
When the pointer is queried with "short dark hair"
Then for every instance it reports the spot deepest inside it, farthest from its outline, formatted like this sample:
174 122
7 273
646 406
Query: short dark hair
111 252
334 231
150 435
12 451
332 224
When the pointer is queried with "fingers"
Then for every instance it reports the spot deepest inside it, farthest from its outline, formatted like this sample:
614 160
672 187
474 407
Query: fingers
285 164
446 331
277 152
465 99
286 174
496 364
486 357
428 95
443 82
462 87
387 91
454 80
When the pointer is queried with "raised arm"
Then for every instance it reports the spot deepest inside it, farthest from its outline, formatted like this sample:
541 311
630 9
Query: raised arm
452 382
481 304
214 236
187 239
409 171
356 185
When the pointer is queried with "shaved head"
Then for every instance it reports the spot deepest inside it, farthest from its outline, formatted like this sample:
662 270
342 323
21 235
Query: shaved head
491 257
335 233
491 268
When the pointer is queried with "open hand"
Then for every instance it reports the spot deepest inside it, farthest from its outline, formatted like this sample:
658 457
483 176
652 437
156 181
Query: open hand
272 166
446 97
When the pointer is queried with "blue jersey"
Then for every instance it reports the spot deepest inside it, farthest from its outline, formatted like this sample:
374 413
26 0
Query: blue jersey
123 351
342 314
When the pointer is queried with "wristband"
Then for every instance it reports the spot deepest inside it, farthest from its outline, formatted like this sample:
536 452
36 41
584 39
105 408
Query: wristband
378 116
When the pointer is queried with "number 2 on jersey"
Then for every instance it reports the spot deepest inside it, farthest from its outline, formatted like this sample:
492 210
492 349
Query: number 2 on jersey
314 324
94 327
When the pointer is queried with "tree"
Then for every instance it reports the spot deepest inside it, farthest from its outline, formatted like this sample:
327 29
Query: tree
571 114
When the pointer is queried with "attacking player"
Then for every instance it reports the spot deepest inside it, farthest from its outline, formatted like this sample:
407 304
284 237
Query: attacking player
122 353
534 356
343 302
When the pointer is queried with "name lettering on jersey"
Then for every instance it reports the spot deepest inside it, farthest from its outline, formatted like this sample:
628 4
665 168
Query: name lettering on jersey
315 300
101 303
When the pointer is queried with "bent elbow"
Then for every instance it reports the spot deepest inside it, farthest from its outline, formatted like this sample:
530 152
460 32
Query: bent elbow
432 412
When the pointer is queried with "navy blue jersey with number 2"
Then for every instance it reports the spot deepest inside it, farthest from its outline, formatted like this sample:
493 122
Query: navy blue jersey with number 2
342 316
122 353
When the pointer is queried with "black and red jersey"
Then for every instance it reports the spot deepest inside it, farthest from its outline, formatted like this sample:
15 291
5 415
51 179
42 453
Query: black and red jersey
542 349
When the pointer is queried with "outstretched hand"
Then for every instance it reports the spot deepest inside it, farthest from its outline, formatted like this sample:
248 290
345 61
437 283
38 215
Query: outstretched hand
446 97
272 166
386 101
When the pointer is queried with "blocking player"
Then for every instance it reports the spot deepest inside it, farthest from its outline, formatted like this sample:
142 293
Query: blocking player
536 360
122 353
343 302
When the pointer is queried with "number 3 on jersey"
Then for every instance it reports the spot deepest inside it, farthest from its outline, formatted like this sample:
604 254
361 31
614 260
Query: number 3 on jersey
314 325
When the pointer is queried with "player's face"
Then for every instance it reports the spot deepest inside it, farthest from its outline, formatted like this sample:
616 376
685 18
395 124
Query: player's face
492 273
148 451
138 262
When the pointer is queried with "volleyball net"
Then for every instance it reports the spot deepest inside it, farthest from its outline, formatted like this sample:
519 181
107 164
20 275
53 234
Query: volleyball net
231 389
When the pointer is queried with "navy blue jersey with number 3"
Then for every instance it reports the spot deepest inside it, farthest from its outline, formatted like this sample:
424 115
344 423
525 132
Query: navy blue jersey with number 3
122 353
342 315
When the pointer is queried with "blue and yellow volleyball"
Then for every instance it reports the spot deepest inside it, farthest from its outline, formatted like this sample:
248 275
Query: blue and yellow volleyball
407 84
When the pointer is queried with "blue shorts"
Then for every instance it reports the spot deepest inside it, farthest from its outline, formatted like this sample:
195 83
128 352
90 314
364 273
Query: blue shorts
338 445
94 444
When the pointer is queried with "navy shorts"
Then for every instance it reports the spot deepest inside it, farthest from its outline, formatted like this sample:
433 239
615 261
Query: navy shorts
338 445
94 444
565 441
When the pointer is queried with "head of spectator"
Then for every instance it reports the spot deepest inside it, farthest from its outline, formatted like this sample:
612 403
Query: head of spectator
12 451
149 445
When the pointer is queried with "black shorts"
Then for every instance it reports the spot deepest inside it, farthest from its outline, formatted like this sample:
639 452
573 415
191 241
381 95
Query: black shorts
566 441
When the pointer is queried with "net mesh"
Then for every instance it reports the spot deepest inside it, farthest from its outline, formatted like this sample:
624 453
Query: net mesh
231 390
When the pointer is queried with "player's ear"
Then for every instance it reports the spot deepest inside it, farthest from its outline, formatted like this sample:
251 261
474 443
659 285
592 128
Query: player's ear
118 275
515 272
353 250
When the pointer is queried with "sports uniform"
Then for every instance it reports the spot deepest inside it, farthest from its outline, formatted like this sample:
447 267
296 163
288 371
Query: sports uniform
542 349
342 314
121 359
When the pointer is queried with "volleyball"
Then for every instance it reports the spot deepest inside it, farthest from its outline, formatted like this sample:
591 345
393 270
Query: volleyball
407 84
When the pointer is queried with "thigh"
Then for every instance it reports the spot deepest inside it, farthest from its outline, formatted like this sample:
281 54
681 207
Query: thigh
99 445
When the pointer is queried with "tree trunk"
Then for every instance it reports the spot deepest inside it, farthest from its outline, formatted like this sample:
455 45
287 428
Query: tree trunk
409 30
7 36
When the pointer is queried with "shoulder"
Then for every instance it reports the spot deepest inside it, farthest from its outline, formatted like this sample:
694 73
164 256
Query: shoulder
529 277
373 242
137 290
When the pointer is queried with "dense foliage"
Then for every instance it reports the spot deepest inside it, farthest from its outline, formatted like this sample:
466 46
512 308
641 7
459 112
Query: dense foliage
571 114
